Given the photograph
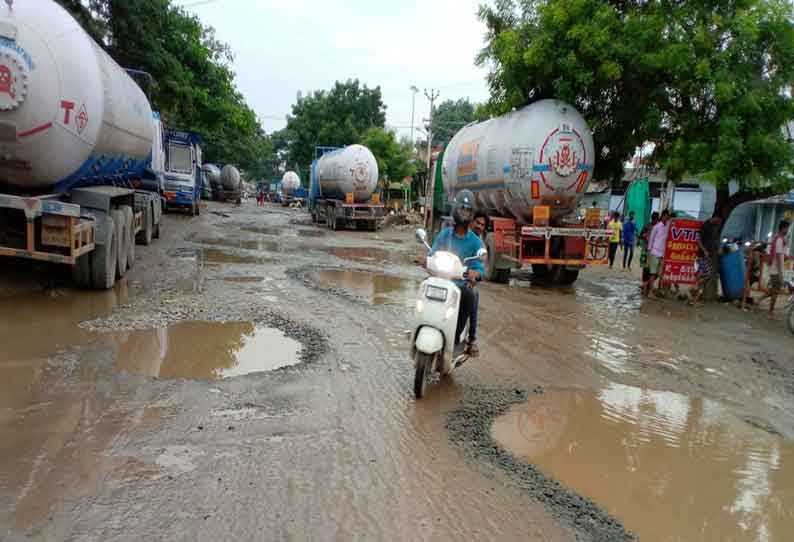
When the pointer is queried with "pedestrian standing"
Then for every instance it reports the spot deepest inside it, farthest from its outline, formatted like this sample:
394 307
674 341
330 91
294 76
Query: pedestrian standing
616 226
629 239
707 249
656 246
777 253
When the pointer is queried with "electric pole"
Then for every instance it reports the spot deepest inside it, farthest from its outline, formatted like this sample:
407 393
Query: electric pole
414 90
432 95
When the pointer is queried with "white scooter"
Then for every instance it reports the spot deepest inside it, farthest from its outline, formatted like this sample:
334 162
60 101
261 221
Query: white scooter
433 339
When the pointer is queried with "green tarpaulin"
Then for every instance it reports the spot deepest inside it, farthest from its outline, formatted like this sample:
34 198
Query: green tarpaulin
638 200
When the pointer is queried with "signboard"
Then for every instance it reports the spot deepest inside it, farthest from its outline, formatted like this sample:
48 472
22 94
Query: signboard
681 251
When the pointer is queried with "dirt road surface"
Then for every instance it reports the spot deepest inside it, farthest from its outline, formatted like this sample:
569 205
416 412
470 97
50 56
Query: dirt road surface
250 380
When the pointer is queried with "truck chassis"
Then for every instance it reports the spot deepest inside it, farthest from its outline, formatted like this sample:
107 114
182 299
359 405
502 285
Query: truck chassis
337 214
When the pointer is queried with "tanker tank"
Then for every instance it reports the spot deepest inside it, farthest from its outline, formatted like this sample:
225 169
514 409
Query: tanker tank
69 115
212 174
290 182
230 178
541 154
351 169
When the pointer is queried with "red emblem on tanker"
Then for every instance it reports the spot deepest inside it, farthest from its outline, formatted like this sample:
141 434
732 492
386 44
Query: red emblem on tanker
7 81
563 153
82 119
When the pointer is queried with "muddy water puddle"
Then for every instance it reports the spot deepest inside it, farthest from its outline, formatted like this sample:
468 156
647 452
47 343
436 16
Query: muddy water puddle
365 254
205 350
217 256
668 466
34 327
374 288
286 231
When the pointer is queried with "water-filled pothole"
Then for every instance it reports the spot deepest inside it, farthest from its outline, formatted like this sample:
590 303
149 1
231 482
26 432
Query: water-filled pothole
374 288
248 244
205 350
668 466
217 256
365 254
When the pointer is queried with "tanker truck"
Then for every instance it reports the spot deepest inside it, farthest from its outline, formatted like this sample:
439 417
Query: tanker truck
212 179
342 191
528 170
290 182
81 152
231 184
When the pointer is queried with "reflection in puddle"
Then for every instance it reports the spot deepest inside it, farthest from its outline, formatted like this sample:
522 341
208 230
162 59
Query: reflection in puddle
204 350
284 231
214 255
375 288
668 466
248 244
364 254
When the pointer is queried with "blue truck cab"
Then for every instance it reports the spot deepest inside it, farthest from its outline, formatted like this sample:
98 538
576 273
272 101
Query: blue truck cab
183 173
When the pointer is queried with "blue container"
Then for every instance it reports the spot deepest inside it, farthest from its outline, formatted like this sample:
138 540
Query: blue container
732 272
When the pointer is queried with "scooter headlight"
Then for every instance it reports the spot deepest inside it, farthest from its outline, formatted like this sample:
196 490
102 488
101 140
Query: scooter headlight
445 262
420 305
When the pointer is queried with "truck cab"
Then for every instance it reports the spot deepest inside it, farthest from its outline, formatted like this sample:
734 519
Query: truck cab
183 173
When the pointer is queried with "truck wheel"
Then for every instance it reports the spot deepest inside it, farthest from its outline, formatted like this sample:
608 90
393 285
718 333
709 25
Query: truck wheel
81 272
145 235
565 276
198 208
540 271
121 242
104 259
492 273
129 217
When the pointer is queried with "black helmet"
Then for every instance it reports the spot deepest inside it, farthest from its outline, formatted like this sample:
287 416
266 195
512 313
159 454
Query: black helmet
463 210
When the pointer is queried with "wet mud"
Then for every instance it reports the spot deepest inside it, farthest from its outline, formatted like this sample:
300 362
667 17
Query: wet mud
668 466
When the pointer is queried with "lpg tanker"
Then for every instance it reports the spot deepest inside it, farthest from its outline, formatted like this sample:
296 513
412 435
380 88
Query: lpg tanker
528 169
342 190
77 137
231 184
290 182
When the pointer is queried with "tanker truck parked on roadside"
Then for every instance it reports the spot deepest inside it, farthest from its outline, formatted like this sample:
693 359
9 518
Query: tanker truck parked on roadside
342 191
212 179
231 184
529 169
82 161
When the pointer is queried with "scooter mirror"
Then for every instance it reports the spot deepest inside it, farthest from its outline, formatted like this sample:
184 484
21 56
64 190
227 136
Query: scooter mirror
421 235
482 254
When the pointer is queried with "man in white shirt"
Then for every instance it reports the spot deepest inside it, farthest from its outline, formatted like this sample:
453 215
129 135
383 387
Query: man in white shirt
777 253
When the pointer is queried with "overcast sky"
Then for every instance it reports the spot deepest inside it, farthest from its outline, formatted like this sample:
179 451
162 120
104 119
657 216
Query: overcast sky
283 46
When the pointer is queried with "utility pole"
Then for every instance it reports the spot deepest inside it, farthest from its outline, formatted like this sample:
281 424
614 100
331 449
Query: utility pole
432 95
414 90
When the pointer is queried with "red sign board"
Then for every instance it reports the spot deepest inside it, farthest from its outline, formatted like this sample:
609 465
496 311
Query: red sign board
681 251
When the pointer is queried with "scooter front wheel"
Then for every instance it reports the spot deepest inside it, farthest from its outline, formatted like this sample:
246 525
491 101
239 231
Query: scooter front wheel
424 368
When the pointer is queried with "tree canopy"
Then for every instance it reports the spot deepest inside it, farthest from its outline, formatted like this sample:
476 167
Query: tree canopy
192 81
449 117
708 83
333 118
394 157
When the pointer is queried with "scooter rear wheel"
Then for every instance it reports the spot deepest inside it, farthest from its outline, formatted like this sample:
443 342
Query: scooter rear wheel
424 368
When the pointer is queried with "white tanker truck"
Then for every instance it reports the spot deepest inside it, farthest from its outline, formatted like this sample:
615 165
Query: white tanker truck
342 191
529 169
82 157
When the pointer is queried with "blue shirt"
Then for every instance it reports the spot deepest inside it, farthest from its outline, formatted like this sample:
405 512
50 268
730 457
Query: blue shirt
463 248
629 232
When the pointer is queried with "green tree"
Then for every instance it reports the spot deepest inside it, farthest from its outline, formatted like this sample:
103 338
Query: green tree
449 117
709 83
333 118
394 157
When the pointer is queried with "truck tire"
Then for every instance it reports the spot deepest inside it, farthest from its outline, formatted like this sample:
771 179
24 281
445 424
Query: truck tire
156 225
540 271
104 259
129 221
493 273
81 272
565 276
121 242
145 235
198 208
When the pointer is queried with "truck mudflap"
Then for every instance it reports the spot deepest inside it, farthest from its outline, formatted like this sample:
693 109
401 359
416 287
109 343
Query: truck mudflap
62 236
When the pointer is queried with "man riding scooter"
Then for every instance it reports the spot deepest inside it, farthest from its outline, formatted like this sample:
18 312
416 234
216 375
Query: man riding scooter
464 243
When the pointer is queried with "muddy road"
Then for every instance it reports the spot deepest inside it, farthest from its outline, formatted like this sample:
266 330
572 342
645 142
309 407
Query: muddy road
250 379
